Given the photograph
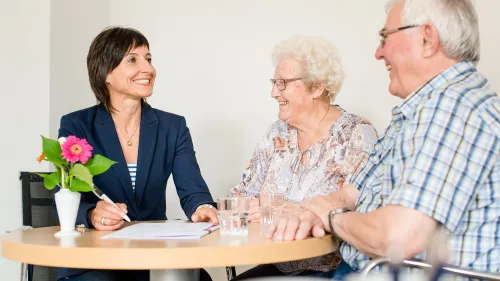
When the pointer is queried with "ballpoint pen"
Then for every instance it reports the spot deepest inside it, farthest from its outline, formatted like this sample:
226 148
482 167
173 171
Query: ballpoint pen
104 197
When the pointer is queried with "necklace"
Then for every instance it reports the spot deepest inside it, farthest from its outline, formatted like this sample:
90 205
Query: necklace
319 125
129 141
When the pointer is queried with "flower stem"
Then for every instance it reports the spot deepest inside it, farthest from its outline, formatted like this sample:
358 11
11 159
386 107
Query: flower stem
63 185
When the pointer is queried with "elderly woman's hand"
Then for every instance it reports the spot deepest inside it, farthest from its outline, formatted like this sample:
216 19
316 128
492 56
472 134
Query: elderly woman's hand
205 214
296 225
106 216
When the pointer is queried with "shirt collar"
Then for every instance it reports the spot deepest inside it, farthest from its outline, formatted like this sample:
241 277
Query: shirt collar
409 105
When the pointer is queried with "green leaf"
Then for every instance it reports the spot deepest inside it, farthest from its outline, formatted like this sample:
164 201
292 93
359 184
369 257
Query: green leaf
99 164
82 173
51 180
52 150
80 186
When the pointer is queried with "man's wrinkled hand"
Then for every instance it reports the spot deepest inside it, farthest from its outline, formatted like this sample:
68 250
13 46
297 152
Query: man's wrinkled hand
322 205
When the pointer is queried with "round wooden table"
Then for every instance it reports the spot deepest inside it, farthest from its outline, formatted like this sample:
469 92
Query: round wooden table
167 259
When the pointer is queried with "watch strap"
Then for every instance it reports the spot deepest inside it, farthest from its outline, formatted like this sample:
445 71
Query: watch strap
334 212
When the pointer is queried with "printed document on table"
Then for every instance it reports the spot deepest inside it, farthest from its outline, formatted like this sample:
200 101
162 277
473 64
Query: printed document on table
165 230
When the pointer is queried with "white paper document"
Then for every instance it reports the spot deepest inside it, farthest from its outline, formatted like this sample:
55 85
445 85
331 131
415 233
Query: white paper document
166 230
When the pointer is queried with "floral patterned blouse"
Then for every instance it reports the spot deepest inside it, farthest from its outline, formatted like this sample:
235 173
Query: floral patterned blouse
329 164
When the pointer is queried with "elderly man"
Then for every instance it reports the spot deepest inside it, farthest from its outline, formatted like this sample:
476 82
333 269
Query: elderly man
438 163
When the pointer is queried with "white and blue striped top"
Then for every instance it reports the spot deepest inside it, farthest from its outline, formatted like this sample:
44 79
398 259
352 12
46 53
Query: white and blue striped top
132 169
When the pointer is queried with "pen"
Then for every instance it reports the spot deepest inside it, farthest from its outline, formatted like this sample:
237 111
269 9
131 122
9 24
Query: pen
104 197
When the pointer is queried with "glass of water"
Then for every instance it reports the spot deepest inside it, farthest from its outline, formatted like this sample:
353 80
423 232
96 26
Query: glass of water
233 215
270 206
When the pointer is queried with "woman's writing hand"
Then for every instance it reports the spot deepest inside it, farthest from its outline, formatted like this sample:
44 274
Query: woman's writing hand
106 216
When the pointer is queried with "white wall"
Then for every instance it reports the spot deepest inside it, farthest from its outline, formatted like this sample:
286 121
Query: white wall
73 25
213 66
44 72
24 76
490 40
213 61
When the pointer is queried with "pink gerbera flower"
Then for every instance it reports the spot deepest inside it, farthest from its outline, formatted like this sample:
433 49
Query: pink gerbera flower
75 149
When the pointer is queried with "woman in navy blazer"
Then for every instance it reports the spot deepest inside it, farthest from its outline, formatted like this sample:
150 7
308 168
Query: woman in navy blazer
148 145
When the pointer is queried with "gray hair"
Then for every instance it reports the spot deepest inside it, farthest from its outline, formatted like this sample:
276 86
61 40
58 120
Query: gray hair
455 20
320 60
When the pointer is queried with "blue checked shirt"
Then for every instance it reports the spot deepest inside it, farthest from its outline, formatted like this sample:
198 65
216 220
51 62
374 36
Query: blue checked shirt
441 156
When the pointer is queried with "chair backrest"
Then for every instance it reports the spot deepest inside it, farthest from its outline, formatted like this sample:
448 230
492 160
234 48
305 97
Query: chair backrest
37 212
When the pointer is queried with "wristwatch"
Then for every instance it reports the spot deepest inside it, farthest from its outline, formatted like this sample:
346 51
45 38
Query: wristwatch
204 205
334 212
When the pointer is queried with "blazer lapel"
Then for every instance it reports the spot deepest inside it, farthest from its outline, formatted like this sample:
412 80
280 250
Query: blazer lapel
147 145
106 132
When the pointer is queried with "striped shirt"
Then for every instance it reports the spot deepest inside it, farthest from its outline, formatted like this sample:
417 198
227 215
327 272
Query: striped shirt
441 156
132 169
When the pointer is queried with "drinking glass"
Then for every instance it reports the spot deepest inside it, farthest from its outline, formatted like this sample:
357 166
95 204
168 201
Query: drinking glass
270 207
233 215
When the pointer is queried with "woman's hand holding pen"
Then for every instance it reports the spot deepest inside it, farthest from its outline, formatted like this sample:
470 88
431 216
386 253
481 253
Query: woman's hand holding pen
106 216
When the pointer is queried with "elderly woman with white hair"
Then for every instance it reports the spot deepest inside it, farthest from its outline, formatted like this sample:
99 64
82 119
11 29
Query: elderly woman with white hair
315 148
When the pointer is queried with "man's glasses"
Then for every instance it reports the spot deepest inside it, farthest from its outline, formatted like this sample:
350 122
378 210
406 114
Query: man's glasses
385 32
281 83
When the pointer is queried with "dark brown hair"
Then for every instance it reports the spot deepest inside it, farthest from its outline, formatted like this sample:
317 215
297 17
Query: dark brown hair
106 53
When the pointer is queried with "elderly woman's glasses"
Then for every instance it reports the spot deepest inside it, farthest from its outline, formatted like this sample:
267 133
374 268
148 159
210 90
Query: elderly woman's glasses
281 83
385 32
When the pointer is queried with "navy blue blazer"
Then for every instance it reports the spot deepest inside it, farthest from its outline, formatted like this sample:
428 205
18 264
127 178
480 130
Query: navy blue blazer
165 148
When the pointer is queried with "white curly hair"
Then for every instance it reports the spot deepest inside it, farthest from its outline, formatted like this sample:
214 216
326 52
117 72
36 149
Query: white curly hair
320 59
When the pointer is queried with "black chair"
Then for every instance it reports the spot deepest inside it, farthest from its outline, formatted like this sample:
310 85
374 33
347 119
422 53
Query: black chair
37 212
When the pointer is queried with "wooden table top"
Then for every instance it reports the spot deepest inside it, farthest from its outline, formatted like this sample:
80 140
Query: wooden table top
40 247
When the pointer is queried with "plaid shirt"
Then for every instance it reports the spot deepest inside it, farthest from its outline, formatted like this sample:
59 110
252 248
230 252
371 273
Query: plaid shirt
441 156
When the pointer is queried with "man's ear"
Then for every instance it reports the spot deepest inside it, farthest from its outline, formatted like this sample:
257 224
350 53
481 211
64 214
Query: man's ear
318 89
430 40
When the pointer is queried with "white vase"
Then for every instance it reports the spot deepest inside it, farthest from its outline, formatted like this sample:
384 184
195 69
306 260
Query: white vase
67 204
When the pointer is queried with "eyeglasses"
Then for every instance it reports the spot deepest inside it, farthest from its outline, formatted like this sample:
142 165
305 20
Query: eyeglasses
281 83
385 32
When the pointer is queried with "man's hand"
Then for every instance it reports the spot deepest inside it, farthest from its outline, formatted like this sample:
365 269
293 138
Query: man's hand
106 216
296 225
205 214
322 205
